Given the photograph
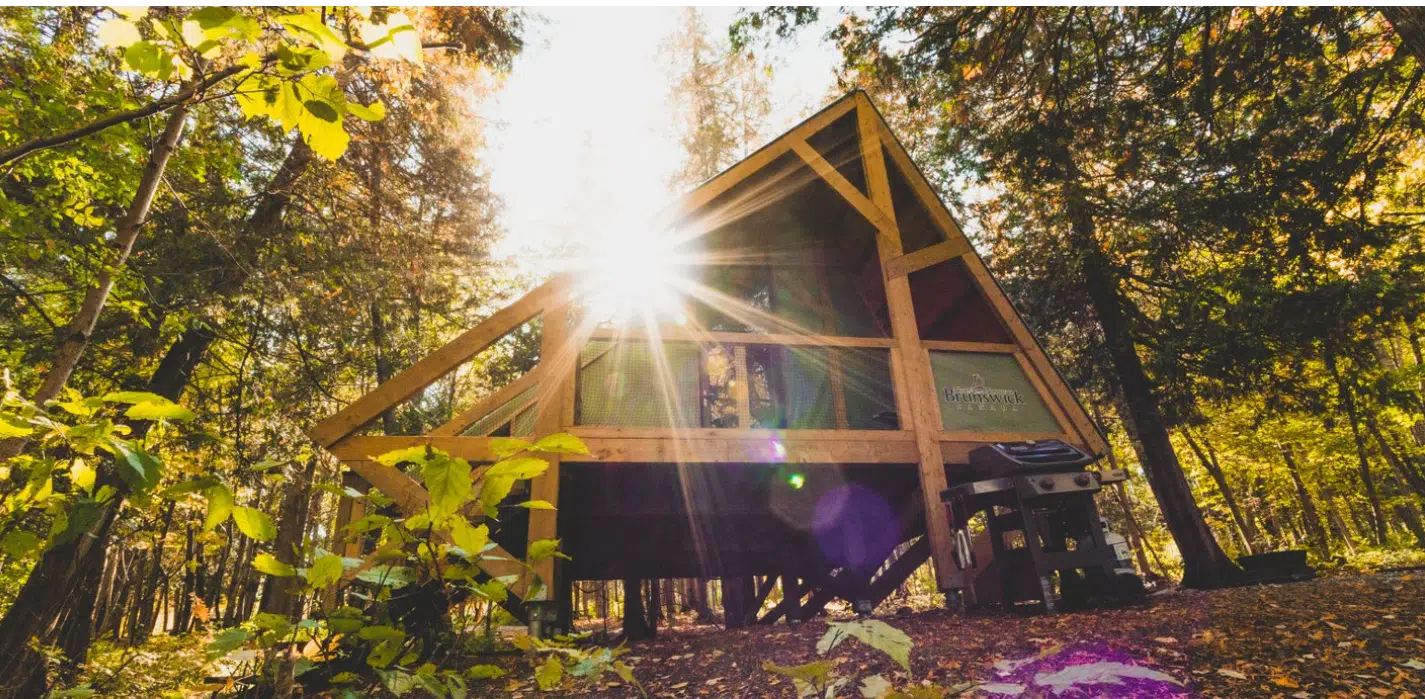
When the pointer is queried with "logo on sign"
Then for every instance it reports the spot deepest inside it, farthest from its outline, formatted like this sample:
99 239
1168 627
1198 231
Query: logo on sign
978 396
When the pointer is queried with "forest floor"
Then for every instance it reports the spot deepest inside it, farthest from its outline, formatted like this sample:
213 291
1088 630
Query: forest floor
1357 636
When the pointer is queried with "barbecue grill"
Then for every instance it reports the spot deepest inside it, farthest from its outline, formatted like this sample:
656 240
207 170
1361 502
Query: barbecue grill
1040 525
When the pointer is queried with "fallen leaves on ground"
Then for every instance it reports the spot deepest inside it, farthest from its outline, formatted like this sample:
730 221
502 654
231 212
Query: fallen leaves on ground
1335 638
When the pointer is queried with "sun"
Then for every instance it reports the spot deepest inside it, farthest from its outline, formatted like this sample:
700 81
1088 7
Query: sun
634 273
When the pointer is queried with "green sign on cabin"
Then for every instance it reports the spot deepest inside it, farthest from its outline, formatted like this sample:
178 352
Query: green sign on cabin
987 393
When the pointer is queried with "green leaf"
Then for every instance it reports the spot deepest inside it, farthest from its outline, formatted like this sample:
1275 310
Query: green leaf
76 521
254 523
382 633
148 58
448 482
223 22
14 426
82 475
269 564
519 469
321 110
220 506
537 505
133 397
549 673
226 641
191 485
309 27
328 140
492 492
138 468
18 543
561 443
167 410
504 447
375 112
472 539
324 571
812 672
413 455
544 548
484 672
118 33
389 575
345 620
368 523
873 632
494 590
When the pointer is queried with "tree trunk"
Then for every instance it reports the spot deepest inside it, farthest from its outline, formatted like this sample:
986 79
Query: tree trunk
1343 532
1314 528
1405 470
1409 25
1215 470
76 335
1410 516
147 598
1348 403
1205 565
383 365
280 595
699 589
635 622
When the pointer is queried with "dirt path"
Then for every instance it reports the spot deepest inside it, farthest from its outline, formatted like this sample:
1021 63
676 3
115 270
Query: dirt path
1343 637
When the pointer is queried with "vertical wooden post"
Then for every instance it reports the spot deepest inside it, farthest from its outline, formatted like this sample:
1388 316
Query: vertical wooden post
913 361
557 351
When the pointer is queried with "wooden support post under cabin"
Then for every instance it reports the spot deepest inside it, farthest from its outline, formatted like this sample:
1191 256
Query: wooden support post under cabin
899 571
914 361
635 622
557 354
734 603
791 604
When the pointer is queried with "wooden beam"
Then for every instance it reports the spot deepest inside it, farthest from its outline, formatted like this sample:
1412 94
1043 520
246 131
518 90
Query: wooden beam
434 365
914 360
681 334
763 157
1059 389
754 605
785 447
925 257
705 433
557 348
495 400
951 346
899 570
792 593
858 201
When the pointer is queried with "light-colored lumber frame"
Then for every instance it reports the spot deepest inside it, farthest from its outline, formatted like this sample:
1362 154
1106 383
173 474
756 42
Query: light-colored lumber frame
921 441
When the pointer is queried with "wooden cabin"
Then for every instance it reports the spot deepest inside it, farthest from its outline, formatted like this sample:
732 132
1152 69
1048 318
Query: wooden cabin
839 348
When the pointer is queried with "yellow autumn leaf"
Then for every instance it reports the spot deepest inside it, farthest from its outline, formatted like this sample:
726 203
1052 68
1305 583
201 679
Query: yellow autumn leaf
118 33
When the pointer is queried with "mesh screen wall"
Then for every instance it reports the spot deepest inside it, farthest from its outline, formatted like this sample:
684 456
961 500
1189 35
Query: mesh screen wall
620 385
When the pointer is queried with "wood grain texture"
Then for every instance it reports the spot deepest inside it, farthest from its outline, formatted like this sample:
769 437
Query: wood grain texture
925 257
434 365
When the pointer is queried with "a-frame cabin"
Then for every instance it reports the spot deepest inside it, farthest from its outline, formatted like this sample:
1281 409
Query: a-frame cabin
847 349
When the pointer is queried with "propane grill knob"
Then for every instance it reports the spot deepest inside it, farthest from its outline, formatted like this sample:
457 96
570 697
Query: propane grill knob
1082 480
1046 483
